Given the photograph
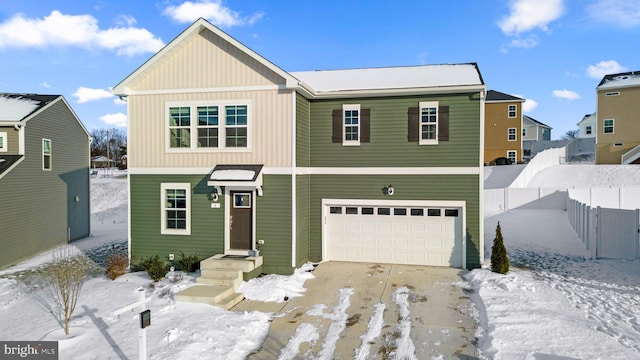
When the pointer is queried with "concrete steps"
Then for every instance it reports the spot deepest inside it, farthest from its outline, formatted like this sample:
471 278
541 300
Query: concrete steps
219 279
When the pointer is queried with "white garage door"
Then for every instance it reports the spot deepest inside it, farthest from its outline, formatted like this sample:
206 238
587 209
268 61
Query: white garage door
417 235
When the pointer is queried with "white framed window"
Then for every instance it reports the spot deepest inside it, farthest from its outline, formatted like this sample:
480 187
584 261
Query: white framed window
607 126
351 124
512 134
4 147
512 111
587 130
46 154
175 204
208 126
428 123
513 156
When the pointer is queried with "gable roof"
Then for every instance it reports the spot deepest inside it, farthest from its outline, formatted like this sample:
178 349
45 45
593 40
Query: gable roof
535 122
587 117
327 83
497 96
620 80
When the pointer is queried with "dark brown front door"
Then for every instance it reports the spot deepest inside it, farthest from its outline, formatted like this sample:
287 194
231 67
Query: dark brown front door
240 220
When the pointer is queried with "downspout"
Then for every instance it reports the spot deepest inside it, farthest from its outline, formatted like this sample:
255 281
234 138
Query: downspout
481 179
294 208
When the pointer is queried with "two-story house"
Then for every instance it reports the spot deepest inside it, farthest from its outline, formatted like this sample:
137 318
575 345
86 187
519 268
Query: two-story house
227 151
617 130
44 175
502 127
587 126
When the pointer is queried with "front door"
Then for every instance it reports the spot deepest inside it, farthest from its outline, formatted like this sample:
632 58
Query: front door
241 221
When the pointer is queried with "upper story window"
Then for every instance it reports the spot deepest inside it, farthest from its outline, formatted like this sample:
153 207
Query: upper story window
587 130
512 111
3 142
176 208
351 124
205 127
607 126
428 122
46 154
512 134
524 132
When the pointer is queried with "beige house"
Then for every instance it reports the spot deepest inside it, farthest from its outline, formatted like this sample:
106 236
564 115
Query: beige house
503 127
618 122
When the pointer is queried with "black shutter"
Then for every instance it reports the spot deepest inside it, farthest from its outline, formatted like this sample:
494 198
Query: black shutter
414 124
365 133
443 123
337 126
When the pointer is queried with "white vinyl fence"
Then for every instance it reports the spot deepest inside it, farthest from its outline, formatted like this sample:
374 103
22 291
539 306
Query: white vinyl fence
607 233
499 200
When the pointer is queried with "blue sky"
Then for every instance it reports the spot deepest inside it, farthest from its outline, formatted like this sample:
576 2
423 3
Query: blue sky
551 52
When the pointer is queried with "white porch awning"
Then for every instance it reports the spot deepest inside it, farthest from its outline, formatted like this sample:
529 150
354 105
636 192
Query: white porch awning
236 176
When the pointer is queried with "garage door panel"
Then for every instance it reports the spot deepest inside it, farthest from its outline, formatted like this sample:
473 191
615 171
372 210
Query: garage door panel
404 239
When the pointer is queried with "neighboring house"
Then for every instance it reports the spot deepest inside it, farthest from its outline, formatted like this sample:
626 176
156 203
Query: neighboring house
502 127
617 126
44 175
587 126
373 165
536 137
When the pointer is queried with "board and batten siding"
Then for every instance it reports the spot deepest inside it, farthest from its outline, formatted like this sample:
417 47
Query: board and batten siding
389 145
407 187
207 224
205 61
38 207
273 223
270 129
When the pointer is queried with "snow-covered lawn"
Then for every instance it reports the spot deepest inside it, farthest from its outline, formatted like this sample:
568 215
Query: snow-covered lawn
554 304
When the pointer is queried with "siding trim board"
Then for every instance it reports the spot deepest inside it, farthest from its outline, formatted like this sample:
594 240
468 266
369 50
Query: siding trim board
322 170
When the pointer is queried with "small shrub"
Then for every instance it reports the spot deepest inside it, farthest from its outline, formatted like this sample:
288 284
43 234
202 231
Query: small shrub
155 266
188 263
116 265
499 258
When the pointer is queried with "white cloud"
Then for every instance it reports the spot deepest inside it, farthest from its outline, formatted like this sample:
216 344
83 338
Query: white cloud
213 10
117 119
566 94
625 13
125 20
527 15
45 85
599 70
85 94
529 105
63 30
527 43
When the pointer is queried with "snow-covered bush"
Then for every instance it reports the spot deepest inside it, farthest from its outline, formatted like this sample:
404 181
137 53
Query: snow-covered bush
499 258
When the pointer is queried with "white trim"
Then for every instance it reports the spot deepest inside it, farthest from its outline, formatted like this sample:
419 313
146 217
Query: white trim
515 134
515 115
294 185
129 209
347 94
428 104
515 155
483 95
345 108
461 204
163 214
468 170
613 128
50 154
4 146
228 203
12 167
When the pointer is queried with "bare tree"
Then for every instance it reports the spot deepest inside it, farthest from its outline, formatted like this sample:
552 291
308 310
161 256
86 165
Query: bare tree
571 134
65 277
111 142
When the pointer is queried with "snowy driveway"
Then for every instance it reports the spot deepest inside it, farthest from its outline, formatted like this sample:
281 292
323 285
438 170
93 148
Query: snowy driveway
367 311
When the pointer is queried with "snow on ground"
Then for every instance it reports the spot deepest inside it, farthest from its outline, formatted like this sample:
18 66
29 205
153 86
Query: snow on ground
583 176
554 304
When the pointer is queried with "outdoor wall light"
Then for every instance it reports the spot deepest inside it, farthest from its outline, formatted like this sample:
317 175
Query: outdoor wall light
214 195
389 190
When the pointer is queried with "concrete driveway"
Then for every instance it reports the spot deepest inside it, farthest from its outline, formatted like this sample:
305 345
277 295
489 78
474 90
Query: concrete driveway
423 316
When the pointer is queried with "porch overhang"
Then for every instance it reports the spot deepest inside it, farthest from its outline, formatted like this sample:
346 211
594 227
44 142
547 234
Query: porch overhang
237 176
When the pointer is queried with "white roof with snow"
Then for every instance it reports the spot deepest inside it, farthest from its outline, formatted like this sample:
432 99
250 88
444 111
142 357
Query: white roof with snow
16 109
622 80
407 77
233 175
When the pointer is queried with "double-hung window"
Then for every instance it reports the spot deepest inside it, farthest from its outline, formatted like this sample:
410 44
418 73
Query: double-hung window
607 126
3 142
513 156
512 134
512 111
208 126
588 130
176 208
351 124
428 122
46 154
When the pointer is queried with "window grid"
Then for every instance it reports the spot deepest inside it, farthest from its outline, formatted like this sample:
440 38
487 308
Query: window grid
607 126
512 111
180 127
428 123
512 155
236 126
351 125
175 207
46 154
208 126
511 134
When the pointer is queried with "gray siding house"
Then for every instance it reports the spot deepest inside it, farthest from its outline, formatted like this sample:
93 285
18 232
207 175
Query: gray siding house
44 175
228 153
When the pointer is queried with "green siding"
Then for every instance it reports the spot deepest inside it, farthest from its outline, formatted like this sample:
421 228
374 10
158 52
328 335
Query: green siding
302 219
302 131
407 187
39 209
389 130
207 224
273 223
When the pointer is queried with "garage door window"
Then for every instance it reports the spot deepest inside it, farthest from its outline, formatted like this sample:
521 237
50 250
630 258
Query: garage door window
451 212
399 211
384 211
433 212
367 211
352 210
335 210
417 212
